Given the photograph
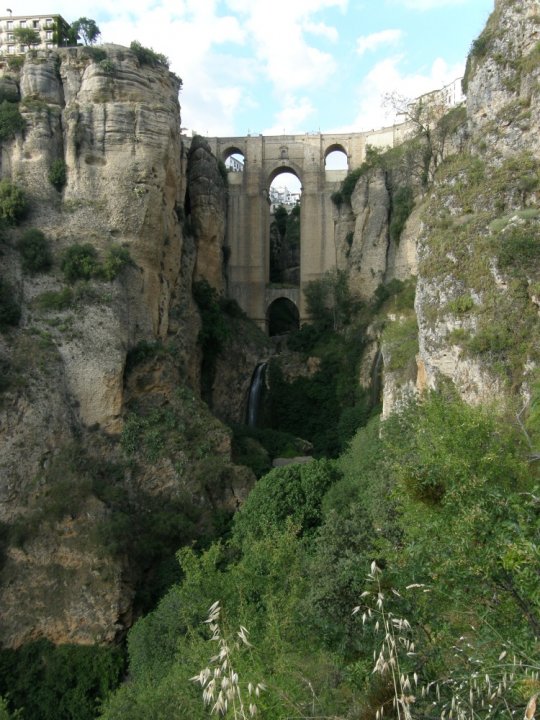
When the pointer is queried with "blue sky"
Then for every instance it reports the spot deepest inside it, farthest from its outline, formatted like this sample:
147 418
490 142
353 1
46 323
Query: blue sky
264 66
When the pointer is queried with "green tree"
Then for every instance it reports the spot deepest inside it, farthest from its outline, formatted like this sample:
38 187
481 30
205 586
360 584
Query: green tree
86 29
58 173
11 120
26 36
13 205
10 312
35 251
80 262
293 492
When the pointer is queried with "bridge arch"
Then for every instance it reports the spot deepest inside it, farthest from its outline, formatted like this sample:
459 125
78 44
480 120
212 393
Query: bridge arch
282 316
336 157
234 159
285 167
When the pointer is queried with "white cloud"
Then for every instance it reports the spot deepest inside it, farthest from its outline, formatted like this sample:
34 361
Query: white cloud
427 4
322 30
291 118
387 77
366 43
277 32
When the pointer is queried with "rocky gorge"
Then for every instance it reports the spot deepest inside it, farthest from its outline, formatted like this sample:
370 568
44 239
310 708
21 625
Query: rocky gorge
119 387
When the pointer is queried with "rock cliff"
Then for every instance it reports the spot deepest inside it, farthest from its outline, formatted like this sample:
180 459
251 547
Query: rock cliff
472 234
476 297
100 423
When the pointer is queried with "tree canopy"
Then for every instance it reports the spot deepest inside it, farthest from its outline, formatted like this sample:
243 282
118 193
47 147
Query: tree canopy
86 29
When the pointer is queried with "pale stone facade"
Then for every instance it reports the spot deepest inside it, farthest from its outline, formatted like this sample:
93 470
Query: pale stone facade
44 25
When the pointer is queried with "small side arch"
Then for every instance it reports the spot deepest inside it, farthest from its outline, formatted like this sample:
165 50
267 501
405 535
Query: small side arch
282 316
234 159
336 158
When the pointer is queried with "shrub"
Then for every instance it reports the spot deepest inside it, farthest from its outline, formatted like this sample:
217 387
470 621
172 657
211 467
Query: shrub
348 185
57 174
401 340
13 205
148 56
519 247
10 312
117 258
107 66
35 251
293 491
461 304
64 681
79 262
98 55
60 300
402 205
11 120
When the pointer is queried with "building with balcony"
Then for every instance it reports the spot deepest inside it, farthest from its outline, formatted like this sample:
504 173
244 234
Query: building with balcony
48 28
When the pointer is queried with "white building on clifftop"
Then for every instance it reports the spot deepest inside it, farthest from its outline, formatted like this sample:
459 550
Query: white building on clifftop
46 26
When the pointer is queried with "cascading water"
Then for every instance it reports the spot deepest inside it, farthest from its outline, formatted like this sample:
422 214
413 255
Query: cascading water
376 379
255 394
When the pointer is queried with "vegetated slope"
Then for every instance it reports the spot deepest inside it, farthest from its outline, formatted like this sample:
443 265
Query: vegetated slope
429 525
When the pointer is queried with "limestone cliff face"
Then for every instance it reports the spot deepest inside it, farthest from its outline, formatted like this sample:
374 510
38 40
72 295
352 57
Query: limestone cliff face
117 129
207 207
111 357
365 248
476 298
503 104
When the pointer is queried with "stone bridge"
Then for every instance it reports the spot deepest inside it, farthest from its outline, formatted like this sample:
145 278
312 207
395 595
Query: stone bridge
248 223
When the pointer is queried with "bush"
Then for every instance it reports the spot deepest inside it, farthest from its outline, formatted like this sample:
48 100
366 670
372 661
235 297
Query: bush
11 120
10 312
402 205
292 492
61 300
116 260
519 248
61 682
107 66
79 262
57 174
13 205
148 56
35 251
401 341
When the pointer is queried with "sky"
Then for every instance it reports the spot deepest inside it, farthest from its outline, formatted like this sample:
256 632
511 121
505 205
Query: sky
290 66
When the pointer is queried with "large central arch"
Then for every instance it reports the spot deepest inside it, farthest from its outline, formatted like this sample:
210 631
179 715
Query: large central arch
284 221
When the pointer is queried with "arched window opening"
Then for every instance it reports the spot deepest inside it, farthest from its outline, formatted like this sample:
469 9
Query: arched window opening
234 162
336 164
284 196
283 317
336 160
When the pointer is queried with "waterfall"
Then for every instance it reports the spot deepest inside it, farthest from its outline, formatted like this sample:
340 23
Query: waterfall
376 379
255 394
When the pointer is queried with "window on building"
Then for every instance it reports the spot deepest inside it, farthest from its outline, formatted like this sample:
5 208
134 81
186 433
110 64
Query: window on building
11 49
49 34
10 36
35 24
22 23
10 24
49 46
48 22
